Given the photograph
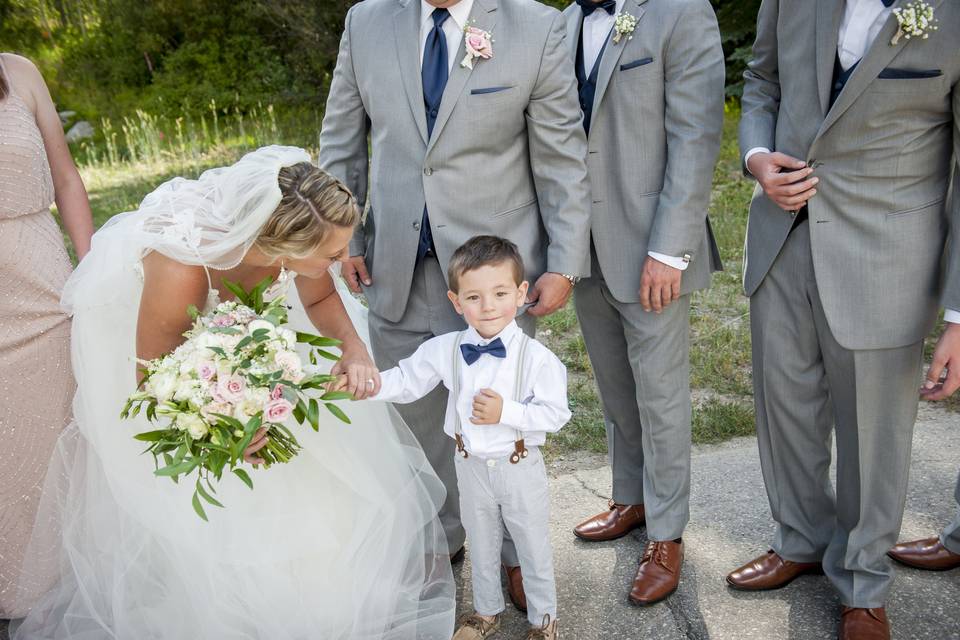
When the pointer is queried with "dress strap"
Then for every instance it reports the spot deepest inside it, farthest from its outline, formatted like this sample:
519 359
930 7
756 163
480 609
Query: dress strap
6 76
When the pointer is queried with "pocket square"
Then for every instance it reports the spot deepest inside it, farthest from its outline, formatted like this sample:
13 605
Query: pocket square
477 92
635 63
909 74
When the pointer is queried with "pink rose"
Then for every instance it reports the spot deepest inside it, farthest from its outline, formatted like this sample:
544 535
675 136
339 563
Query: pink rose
230 389
478 43
277 392
277 411
223 321
206 370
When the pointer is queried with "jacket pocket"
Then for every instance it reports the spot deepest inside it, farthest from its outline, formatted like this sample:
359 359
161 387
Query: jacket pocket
512 210
909 74
485 90
636 63
917 209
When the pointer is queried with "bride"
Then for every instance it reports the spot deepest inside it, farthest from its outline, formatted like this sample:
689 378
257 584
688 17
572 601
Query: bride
342 542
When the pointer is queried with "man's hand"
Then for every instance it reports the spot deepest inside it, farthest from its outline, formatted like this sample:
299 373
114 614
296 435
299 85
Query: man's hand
785 180
487 407
363 377
354 272
659 285
550 292
943 376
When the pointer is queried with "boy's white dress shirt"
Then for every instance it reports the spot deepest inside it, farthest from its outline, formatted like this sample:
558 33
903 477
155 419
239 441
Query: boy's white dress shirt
543 407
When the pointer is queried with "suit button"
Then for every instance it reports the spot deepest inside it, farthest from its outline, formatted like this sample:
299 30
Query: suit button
416 225
427 171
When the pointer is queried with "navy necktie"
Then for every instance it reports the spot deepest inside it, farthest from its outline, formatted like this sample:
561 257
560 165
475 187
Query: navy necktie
589 6
472 352
434 74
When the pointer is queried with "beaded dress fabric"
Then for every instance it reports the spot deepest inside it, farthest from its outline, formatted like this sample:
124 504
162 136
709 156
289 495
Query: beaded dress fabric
36 380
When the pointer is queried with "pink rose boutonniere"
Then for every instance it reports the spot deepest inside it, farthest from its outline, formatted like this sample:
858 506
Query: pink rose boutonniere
478 44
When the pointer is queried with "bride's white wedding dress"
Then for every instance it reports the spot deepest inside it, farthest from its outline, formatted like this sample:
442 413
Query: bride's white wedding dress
343 542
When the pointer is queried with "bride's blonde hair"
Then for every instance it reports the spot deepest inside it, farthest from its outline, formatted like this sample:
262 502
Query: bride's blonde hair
313 203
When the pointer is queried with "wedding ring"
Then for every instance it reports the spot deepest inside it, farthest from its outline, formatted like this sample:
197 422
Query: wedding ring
370 383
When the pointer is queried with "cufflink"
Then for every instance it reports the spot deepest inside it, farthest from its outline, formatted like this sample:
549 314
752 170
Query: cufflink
687 258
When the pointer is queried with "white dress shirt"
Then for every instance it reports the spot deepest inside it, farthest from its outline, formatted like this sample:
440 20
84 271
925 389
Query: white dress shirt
543 407
596 32
452 28
862 21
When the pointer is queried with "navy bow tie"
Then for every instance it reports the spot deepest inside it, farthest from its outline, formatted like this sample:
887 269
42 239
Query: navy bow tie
472 352
887 3
589 6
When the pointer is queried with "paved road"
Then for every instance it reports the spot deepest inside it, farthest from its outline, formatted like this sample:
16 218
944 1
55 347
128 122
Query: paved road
730 524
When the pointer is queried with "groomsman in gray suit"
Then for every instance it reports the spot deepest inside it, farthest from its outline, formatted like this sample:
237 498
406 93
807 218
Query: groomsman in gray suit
445 137
852 132
651 76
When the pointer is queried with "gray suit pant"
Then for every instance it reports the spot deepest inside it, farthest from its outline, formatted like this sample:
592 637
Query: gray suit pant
951 535
808 387
429 313
641 364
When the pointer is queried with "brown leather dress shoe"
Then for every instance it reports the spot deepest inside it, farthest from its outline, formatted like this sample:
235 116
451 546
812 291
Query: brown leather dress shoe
770 571
659 572
864 624
615 522
515 588
928 553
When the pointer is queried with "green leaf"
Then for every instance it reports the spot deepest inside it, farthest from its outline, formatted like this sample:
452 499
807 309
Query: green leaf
240 345
240 473
313 414
253 424
299 412
219 351
193 312
152 412
199 507
184 467
206 496
327 355
151 436
241 295
337 395
335 410
317 341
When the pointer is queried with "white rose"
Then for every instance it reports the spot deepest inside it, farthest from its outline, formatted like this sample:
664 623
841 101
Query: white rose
289 361
163 384
289 337
262 324
192 424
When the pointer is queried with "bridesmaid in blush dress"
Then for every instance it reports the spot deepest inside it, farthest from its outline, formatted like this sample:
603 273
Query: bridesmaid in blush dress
36 381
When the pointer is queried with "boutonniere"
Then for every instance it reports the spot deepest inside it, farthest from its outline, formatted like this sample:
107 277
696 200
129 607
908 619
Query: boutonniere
478 44
624 25
916 21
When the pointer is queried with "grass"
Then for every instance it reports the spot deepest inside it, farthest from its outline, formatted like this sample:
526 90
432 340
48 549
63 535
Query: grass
129 161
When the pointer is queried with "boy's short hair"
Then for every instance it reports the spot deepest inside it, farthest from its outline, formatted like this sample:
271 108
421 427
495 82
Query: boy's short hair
483 251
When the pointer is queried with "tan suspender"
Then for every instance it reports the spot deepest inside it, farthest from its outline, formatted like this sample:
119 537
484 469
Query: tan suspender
519 448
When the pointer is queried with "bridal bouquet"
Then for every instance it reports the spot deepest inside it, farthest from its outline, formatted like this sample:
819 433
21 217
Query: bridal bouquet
237 373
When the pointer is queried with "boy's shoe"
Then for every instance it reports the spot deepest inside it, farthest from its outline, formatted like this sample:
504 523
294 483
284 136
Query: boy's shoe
473 627
547 631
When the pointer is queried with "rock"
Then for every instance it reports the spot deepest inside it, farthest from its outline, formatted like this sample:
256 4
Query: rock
80 131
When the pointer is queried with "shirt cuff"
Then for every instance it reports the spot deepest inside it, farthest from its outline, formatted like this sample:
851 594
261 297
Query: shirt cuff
671 261
751 153
951 315
513 414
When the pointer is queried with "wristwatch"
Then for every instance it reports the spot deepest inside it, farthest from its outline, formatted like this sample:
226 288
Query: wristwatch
573 279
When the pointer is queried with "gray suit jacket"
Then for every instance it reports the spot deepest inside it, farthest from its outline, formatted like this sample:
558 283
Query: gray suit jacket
884 154
506 156
654 139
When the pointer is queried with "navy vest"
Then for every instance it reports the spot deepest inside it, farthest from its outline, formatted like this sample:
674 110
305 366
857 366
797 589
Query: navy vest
840 78
587 84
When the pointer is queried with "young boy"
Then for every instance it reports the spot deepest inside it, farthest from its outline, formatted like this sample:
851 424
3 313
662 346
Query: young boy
506 392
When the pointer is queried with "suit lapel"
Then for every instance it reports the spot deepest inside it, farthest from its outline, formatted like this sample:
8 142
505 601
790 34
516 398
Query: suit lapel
829 13
406 29
880 54
612 52
574 25
482 16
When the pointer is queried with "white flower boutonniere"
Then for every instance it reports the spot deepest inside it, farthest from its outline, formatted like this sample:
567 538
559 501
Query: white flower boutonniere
916 21
623 26
478 44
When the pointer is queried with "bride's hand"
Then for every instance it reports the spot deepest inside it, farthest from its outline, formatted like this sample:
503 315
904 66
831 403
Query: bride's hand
259 441
363 377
